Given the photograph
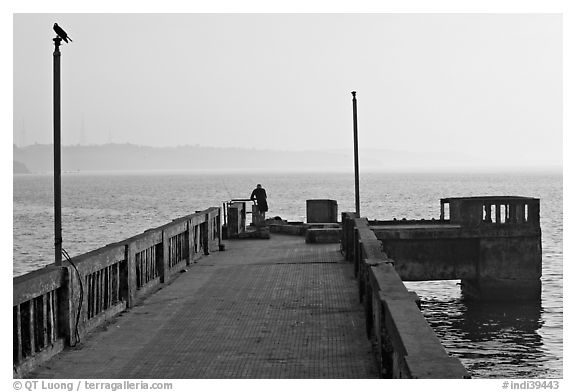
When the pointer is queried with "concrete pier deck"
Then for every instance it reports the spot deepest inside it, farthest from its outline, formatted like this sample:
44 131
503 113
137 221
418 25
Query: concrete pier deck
277 308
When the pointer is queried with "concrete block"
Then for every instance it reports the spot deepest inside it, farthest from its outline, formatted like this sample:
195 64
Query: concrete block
323 225
493 289
321 211
323 236
262 233
442 367
288 228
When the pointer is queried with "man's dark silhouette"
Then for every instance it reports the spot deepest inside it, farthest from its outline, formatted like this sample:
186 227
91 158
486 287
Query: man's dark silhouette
61 33
260 195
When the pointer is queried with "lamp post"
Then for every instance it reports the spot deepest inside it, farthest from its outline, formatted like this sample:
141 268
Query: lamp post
57 169
356 173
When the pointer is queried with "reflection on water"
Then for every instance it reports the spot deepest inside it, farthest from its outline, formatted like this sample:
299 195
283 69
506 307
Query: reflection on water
502 339
493 340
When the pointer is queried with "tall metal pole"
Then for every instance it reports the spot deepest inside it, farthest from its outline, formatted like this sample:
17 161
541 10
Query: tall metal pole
57 169
356 172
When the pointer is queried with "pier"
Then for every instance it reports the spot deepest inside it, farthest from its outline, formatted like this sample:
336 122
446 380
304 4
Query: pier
202 297
260 309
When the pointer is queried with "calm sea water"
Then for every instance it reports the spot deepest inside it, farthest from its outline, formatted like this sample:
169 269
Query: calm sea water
493 341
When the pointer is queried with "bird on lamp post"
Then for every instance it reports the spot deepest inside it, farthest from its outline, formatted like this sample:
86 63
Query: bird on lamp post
61 33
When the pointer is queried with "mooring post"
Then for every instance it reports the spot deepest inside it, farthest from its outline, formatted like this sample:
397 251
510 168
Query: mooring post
57 180
356 174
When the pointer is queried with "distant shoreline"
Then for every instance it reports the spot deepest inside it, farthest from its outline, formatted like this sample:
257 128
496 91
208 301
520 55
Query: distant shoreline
196 159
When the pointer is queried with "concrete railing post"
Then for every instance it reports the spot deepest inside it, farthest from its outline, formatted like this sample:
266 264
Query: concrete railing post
219 223
206 235
129 277
161 259
66 314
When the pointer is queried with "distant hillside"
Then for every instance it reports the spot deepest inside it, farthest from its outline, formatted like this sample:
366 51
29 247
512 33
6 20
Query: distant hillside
128 157
20 168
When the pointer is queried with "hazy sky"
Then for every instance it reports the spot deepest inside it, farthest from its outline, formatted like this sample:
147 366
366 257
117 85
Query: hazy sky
485 85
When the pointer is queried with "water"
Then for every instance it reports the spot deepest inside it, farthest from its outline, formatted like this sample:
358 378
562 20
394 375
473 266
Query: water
493 341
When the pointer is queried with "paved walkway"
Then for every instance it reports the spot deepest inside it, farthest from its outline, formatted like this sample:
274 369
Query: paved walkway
275 308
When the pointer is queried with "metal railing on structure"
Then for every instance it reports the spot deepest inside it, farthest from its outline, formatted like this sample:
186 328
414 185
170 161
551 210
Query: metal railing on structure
228 203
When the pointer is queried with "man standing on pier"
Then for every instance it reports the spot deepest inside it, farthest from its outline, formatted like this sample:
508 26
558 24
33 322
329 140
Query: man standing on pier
260 195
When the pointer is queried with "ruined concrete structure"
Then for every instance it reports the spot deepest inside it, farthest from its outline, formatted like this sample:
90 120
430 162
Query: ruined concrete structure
493 244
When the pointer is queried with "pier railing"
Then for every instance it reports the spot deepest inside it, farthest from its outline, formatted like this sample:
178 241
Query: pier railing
406 345
55 307
39 308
